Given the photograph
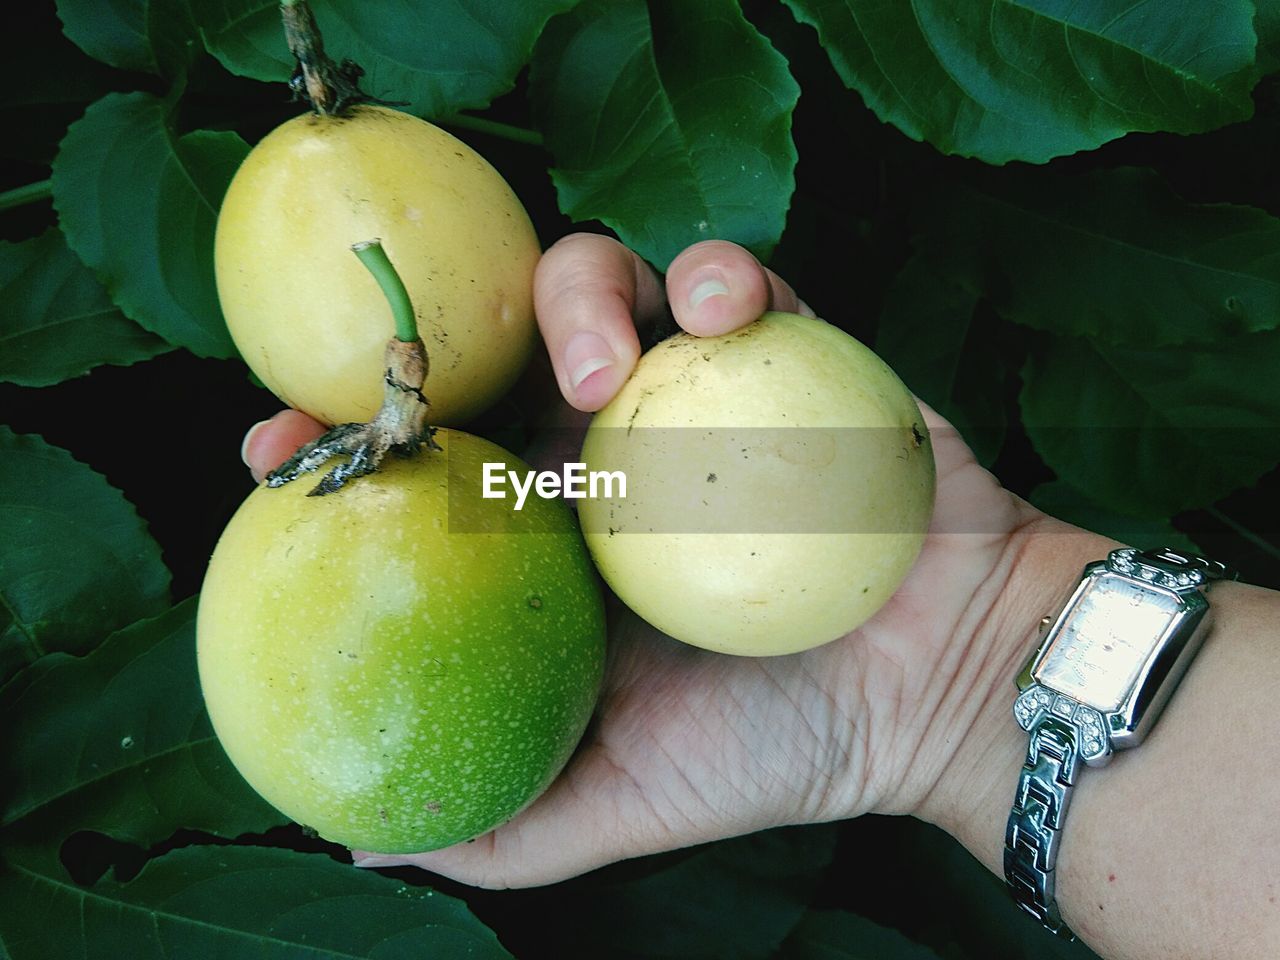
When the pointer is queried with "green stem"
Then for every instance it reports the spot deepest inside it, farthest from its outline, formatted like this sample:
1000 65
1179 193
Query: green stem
492 127
1265 546
20 196
375 259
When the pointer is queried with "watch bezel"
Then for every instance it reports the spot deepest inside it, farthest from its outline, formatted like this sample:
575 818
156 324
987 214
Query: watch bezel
1129 723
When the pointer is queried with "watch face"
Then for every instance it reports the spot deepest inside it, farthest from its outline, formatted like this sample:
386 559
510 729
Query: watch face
1105 638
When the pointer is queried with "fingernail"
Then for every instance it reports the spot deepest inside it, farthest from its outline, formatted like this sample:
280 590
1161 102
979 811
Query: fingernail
586 369
248 437
584 354
705 290
366 863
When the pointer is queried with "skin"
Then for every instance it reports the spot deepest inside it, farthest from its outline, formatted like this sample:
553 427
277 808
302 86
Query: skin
444 216
1169 852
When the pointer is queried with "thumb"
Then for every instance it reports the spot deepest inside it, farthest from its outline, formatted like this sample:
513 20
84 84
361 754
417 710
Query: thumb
716 287
271 442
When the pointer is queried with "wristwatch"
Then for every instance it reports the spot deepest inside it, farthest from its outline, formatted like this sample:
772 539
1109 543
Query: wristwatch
1105 667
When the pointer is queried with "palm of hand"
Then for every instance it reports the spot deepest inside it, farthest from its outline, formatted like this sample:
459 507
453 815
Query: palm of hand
690 746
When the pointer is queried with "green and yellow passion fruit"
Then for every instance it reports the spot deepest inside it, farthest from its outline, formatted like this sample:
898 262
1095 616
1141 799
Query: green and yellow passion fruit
403 664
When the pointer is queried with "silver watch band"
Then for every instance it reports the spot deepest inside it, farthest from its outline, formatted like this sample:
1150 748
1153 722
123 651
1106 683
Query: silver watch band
1035 822
1048 777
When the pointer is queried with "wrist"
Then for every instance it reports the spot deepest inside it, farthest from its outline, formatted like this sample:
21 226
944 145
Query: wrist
971 798
1171 839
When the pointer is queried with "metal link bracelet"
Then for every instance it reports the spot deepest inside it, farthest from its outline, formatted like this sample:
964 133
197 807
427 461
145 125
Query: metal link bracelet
1035 822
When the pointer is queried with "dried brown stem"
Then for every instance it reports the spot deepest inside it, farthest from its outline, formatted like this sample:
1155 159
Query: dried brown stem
400 427
329 87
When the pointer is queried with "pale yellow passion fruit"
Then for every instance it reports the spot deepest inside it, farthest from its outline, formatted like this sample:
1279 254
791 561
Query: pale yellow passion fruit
780 482
309 319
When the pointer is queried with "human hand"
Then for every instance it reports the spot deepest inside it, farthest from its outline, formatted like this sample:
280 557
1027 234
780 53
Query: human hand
691 746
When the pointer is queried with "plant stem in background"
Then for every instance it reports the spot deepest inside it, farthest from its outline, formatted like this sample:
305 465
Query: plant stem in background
1266 546
21 196
492 127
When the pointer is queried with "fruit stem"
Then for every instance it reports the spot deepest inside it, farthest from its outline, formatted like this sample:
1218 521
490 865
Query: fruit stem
401 423
329 87
374 257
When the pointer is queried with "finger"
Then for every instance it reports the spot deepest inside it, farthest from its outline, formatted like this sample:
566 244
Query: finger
715 287
587 291
271 442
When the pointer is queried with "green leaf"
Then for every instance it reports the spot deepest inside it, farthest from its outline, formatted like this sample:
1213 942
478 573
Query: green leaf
1115 255
945 349
152 36
1061 500
247 38
438 58
1150 433
119 742
1031 80
671 123
1267 25
76 562
736 898
837 935
56 320
234 902
138 205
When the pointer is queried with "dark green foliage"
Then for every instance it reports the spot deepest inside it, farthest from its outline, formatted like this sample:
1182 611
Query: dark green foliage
118 741
56 320
1037 79
138 204
76 562
435 58
690 906
670 123
233 902
836 935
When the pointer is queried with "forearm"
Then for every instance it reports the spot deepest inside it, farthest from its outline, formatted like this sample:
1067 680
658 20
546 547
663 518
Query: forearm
1173 850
